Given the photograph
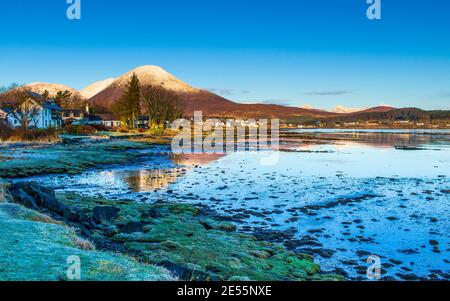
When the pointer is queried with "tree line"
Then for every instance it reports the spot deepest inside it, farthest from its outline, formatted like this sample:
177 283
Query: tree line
155 102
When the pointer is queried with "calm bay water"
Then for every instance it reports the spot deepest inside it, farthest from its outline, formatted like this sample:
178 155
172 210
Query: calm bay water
349 196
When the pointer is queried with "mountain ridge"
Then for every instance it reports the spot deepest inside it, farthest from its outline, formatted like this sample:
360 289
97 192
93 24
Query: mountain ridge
194 99
52 88
96 87
103 94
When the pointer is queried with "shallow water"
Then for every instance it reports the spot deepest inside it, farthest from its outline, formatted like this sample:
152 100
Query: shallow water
352 196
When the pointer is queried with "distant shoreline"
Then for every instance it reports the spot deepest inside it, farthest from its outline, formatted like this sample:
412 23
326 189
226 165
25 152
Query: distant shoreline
364 128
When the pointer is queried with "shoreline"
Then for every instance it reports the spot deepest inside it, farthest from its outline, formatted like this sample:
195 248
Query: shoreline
170 235
131 149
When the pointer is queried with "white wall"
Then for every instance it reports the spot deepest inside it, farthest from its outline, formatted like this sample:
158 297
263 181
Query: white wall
42 120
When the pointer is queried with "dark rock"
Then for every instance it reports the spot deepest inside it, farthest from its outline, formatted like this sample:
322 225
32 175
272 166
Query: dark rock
361 270
184 273
309 241
36 197
207 225
394 261
152 213
43 198
350 262
340 271
387 265
362 253
23 198
104 213
325 253
408 251
132 227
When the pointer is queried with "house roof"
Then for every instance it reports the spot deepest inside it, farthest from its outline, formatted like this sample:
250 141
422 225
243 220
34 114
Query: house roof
93 118
50 105
5 110
73 110
38 99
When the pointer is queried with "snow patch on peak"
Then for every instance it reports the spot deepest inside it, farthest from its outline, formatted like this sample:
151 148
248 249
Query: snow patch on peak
95 88
154 75
344 110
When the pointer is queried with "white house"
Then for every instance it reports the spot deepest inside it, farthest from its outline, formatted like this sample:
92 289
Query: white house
41 114
70 115
110 120
107 120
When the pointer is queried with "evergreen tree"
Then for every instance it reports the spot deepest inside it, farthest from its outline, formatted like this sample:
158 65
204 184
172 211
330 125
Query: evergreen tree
128 106
46 95
62 98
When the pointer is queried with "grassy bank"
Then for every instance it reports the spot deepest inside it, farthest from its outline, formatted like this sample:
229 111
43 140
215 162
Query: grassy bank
33 246
71 158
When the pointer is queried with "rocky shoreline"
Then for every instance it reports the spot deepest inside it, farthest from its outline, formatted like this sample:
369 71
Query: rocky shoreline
188 241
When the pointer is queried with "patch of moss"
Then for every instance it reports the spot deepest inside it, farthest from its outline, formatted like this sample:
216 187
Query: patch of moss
180 235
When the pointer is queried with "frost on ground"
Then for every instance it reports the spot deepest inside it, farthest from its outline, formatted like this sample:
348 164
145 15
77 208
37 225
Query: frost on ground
35 247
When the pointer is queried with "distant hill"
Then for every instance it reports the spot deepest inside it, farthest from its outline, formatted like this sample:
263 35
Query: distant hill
375 109
40 87
194 99
404 114
103 94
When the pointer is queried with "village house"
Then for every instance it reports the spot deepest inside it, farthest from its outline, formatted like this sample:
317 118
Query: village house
143 122
107 120
40 114
70 115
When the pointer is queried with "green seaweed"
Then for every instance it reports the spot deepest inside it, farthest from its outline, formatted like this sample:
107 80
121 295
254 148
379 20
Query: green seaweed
181 234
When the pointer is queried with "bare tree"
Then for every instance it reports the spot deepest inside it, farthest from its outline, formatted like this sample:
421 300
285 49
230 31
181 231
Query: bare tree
77 101
160 105
4 89
22 106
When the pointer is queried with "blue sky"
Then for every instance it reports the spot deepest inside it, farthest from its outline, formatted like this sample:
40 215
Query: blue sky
321 53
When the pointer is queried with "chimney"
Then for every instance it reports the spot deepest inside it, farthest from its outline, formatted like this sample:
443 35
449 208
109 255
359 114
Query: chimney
87 107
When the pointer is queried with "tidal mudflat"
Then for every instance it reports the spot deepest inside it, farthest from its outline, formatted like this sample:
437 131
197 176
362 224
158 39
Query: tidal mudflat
340 196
